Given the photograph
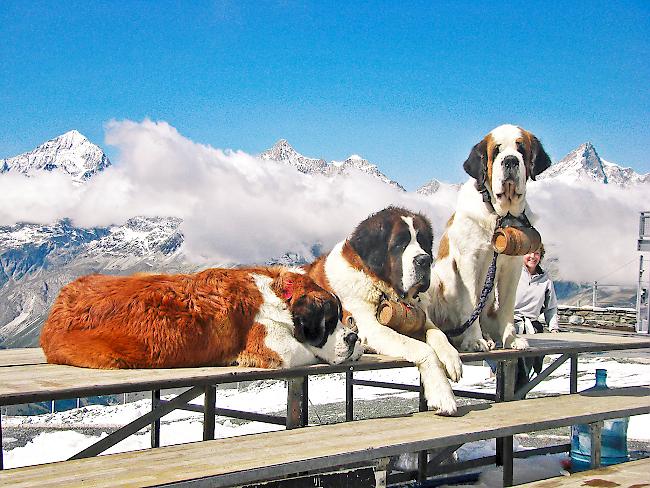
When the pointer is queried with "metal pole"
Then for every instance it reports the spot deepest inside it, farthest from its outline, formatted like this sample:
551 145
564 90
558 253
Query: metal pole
209 399
594 294
423 456
295 402
349 395
573 376
155 425
1 461
506 371
595 430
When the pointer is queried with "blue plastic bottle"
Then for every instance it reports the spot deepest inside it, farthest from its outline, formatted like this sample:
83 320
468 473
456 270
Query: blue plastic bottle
613 437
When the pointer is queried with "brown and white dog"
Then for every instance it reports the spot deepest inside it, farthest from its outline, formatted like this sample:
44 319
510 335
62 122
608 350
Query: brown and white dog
267 317
389 255
500 166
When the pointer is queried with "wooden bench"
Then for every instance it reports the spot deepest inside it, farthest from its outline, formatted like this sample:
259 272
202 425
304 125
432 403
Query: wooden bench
631 474
232 462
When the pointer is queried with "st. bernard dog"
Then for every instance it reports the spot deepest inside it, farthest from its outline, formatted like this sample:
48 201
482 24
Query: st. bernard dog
266 317
389 255
499 166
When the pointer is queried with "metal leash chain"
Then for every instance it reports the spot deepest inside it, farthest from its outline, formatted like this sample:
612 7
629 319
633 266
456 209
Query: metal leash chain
487 289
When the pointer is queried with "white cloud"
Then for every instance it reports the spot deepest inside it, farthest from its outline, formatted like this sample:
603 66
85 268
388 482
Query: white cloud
239 209
234 207
590 228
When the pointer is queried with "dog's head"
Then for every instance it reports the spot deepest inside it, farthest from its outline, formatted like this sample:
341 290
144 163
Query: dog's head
502 163
317 315
395 246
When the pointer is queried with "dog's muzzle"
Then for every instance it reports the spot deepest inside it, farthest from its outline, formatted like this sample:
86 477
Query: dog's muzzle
422 265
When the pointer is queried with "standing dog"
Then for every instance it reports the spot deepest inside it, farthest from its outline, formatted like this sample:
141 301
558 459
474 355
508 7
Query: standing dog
260 317
389 255
499 166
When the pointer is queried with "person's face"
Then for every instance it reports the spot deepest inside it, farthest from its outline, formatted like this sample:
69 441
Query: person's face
531 260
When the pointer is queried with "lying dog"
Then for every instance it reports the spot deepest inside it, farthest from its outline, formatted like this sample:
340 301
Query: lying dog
259 317
499 166
389 255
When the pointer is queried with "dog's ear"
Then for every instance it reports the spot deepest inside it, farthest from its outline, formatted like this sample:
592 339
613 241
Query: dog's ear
539 160
366 240
309 327
474 164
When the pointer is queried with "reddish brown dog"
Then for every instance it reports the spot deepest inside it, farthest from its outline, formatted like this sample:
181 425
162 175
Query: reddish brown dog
260 317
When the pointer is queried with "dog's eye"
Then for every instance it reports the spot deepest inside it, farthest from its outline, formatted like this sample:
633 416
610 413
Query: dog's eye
521 148
495 151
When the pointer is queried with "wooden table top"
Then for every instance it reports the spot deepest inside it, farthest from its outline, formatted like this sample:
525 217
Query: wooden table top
26 377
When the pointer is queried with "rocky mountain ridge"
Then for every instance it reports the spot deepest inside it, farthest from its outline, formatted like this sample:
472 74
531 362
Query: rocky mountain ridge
283 152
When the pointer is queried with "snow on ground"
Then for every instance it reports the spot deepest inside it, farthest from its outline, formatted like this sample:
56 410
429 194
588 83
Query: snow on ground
270 396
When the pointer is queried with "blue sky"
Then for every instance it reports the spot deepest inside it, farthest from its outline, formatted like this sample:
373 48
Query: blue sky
408 85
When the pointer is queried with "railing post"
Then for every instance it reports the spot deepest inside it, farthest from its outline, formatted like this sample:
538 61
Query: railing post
349 395
1 459
423 456
573 376
595 431
297 398
506 371
155 425
594 294
209 399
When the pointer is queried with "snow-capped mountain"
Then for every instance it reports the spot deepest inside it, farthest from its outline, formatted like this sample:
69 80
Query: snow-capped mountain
284 153
37 260
70 153
434 186
357 163
584 164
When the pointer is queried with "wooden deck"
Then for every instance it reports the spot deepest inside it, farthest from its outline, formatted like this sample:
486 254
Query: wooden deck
228 462
25 377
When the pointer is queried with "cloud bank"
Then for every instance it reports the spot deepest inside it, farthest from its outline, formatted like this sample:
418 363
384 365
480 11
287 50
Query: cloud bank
239 209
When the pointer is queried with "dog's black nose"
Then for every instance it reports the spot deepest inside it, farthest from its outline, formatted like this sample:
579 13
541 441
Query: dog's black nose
510 162
351 339
422 261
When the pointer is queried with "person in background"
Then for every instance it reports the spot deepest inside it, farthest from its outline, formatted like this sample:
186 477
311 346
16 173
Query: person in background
535 295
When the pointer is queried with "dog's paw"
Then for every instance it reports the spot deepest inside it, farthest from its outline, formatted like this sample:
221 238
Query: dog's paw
472 344
450 359
442 403
437 390
519 343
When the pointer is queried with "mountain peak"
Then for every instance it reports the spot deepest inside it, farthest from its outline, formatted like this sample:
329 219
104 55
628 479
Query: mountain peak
70 153
73 136
584 164
284 153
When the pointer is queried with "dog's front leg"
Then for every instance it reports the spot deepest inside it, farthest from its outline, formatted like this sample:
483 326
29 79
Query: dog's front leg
447 353
507 280
437 390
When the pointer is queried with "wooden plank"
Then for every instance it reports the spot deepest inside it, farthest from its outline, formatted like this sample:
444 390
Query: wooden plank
30 381
256 457
633 473
22 356
24 384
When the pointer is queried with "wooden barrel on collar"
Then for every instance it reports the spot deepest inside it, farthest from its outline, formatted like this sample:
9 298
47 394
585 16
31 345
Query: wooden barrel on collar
516 241
402 317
